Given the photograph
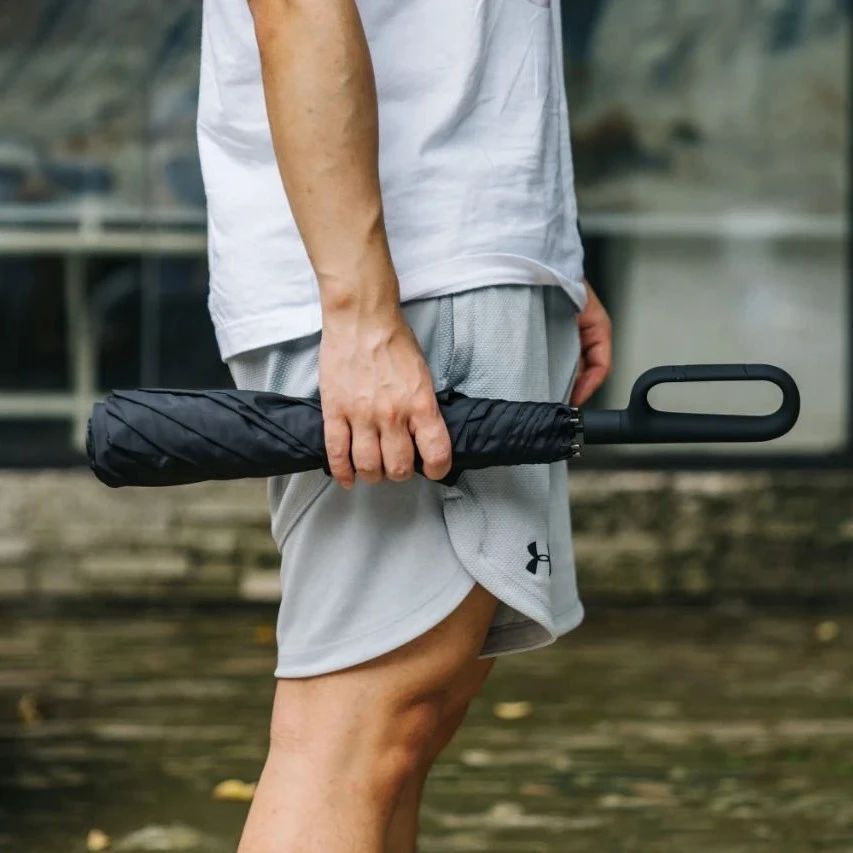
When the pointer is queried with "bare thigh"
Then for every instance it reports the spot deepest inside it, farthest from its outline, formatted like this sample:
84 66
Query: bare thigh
345 745
420 677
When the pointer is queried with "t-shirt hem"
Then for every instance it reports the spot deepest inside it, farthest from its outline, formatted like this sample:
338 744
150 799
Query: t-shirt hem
261 330
440 279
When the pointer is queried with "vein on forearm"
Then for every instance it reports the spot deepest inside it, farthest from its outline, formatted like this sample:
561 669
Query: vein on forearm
322 108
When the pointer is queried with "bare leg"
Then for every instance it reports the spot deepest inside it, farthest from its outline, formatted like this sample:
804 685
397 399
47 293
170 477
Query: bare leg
344 745
403 828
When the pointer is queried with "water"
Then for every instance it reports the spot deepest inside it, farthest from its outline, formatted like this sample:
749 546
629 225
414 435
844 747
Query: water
645 730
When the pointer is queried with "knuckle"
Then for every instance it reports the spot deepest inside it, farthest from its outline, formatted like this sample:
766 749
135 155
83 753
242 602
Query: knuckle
387 412
363 413
334 414
439 468
399 472
438 464
339 462
425 406
367 468
337 447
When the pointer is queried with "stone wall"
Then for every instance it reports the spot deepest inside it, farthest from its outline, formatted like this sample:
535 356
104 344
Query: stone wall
640 537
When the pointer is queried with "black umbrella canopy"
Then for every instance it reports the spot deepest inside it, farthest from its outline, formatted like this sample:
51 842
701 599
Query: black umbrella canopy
167 438
153 437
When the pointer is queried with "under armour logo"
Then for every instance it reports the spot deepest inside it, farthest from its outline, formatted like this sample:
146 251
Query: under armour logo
533 565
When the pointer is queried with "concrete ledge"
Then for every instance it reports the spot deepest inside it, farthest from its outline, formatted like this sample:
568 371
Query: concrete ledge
640 536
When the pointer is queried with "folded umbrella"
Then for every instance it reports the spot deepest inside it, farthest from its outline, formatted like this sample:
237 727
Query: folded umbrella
154 437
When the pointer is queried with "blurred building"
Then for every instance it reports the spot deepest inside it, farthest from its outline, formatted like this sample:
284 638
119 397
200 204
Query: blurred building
711 146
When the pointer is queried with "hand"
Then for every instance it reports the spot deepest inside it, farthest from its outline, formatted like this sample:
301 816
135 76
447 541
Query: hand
596 349
378 400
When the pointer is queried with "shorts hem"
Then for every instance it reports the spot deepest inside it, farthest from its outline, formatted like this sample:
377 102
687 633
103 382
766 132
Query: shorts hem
387 637
529 635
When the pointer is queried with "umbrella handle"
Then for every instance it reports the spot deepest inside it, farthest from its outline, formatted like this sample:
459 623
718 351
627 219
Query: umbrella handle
640 423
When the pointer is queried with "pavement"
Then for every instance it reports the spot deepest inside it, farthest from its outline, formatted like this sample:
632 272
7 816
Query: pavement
647 729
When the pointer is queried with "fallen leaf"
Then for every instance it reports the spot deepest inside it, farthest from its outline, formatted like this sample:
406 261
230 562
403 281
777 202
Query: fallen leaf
476 757
504 811
265 635
97 839
234 790
28 710
173 837
512 710
827 631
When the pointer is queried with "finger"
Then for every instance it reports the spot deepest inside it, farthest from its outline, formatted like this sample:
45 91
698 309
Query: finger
598 331
598 354
366 453
594 312
587 384
337 436
433 442
583 390
398 452
595 366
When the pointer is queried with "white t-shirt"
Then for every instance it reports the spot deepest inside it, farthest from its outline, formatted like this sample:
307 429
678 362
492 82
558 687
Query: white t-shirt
475 164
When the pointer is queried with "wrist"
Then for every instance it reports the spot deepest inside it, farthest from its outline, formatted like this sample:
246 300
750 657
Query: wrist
371 291
358 329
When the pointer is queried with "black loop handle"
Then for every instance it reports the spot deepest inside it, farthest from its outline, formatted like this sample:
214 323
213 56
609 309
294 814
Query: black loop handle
640 423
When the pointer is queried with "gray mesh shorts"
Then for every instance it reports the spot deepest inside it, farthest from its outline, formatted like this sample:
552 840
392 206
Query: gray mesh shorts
367 570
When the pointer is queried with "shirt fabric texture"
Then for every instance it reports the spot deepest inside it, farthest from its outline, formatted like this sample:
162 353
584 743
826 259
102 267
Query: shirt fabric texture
475 163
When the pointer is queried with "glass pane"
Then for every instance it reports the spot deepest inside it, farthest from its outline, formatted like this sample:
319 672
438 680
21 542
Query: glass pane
114 303
33 344
188 357
98 148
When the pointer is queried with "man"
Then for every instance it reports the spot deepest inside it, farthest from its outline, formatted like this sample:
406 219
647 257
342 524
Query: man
391 211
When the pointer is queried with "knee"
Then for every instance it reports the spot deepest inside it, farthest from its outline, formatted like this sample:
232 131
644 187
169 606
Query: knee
376 749
424 721
409 742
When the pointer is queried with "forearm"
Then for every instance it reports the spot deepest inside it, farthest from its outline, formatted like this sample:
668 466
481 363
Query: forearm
321 102
376 387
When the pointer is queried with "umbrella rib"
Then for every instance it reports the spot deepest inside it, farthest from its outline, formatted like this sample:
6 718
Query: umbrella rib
183 426
154 444
270 427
